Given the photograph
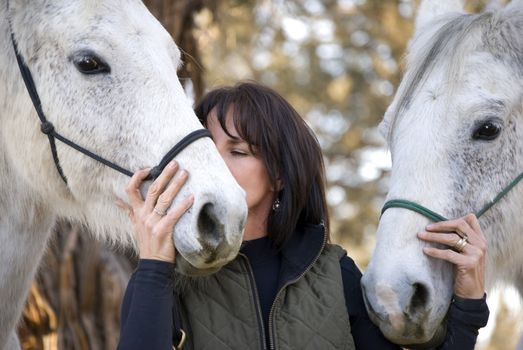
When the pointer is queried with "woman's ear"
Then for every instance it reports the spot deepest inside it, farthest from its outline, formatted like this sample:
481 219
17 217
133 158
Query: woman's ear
278 185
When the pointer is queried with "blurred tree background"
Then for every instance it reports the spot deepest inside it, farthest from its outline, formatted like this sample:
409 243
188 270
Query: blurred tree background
337 61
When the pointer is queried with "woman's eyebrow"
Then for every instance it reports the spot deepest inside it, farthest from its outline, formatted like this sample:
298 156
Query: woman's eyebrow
235 141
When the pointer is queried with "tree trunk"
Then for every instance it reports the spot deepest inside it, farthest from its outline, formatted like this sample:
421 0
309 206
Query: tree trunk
74 302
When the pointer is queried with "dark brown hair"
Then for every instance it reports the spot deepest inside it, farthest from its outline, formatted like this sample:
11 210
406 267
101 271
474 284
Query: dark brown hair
289 149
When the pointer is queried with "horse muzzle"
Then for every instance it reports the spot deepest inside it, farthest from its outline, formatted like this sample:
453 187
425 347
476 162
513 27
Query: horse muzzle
211 236
406 313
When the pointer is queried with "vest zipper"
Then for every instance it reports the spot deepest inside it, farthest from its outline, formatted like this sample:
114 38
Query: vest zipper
271 313
256 300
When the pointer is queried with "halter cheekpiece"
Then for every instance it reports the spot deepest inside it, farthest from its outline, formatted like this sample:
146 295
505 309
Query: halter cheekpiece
431 215
48 128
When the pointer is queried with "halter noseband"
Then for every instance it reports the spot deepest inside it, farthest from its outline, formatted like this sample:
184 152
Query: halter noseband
48 128
431 215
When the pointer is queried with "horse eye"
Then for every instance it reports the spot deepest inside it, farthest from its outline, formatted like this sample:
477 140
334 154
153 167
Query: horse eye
487 131
89 63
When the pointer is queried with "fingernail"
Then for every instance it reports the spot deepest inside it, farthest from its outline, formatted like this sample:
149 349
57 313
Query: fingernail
146 170
172 164
184 173
430 226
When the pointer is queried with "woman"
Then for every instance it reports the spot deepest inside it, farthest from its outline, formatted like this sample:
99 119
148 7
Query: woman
288 288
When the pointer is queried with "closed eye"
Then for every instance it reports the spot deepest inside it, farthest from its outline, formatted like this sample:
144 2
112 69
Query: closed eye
237 153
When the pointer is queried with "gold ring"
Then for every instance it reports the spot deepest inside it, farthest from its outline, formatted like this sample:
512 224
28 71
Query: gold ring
460 245
161 212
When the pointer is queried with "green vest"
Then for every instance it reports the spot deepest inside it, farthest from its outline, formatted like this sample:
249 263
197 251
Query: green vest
222 312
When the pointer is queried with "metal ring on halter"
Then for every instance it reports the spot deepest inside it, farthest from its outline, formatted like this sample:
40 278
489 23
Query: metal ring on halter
460 245
159 211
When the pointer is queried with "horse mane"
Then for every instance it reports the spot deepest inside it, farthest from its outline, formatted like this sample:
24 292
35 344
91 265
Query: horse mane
499 33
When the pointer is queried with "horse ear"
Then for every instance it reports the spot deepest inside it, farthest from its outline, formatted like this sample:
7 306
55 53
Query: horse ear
428 10
515 4
29 5
494 5
17 3
16 6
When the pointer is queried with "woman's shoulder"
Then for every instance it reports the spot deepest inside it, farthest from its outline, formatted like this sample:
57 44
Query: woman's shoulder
346 262
350 273
350 278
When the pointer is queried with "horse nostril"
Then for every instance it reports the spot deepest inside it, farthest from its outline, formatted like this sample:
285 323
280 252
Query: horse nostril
210 228
419 299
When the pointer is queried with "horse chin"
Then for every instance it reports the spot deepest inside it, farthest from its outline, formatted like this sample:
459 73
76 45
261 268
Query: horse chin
437 339
412 339
184 267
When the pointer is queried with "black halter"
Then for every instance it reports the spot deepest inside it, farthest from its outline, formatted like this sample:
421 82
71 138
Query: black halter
48 128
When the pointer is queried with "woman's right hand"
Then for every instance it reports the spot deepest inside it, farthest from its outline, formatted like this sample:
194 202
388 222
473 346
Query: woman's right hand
469 260
152 219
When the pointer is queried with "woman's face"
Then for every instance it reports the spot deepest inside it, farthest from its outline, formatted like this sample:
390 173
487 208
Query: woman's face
248 170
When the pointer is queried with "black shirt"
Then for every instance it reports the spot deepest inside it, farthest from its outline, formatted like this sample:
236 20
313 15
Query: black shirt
264 260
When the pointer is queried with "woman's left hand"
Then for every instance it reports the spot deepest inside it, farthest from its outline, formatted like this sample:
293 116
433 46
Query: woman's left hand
468 258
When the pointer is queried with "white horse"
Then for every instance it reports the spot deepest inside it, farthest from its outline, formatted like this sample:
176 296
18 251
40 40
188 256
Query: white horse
455 131
105 72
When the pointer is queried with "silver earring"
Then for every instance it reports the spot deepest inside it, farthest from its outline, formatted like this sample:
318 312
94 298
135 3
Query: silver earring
276 205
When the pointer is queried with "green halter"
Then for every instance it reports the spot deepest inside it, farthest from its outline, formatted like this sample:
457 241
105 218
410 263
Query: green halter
406 204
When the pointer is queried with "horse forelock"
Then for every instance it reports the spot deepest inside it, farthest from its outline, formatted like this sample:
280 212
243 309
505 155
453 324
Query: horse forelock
499 33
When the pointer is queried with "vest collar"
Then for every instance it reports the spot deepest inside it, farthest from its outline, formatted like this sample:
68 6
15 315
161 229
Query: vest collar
301 251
